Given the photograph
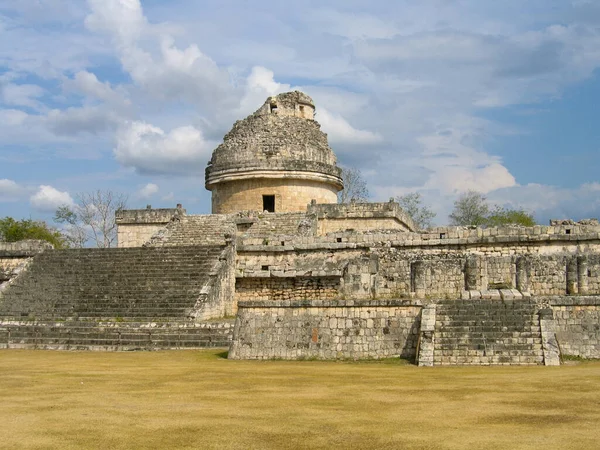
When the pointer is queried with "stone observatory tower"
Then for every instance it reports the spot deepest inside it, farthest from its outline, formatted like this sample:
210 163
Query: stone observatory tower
275 160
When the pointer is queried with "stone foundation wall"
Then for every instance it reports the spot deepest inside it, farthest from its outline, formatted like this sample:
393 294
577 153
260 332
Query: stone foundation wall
326 329
577 322
297 288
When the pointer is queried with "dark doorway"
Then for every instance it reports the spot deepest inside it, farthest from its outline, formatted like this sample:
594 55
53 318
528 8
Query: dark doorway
269 203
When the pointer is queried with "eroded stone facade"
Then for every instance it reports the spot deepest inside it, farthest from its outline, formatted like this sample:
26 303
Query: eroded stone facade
278 151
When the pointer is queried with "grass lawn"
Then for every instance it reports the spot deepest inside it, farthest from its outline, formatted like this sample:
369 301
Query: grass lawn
198 399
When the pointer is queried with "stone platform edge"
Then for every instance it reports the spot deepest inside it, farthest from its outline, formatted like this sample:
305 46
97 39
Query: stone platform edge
327 303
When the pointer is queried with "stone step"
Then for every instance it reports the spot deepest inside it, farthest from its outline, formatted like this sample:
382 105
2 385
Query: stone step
87 335
486 332
498 328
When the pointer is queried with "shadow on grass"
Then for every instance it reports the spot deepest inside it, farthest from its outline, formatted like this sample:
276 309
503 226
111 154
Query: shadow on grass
222 355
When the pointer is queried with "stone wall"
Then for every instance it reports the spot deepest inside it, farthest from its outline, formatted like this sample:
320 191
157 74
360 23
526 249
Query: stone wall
577 322
361 217
296 288
443 263
490 242
326 329
14 256
290 194
216 299
137 226
135 235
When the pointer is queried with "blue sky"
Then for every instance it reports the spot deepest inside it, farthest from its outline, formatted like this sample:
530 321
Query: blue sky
434 96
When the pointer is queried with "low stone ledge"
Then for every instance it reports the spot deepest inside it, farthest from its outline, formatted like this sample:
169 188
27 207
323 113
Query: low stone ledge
405 240
571 300
326 303
25 248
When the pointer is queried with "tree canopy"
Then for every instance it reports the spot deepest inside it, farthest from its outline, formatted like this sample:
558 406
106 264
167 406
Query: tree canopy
472 208
12 230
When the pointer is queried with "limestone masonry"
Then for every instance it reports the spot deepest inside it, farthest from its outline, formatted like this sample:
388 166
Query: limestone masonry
282 271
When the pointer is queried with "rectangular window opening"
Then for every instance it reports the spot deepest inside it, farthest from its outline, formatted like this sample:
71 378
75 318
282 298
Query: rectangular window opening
567 231
269 203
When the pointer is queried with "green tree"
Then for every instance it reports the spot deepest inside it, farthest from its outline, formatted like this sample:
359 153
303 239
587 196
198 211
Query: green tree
502 216
355 187
413 205
12 230
92 219
472 208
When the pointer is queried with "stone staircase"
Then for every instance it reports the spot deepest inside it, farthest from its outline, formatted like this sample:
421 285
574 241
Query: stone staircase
124 298
487 332
195 230
114 336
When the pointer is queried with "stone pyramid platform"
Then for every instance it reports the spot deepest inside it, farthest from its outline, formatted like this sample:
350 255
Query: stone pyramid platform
123 298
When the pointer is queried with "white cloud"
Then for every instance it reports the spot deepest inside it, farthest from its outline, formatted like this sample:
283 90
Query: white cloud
148 191
149 149
592 187
10 191
260 84
48 199
123 19
22 95
156 64
461 179
88 119
12 117
340 131
352 25
87 83
554 202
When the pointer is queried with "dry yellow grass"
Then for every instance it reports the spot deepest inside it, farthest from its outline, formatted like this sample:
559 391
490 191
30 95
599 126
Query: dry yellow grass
197 399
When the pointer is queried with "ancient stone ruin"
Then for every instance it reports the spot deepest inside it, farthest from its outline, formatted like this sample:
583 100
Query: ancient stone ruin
282 271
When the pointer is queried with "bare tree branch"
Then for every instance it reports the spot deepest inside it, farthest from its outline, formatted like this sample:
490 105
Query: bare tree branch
355 187
92 219
420 214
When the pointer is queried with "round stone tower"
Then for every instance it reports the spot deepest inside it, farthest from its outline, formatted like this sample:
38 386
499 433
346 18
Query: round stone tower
276 159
